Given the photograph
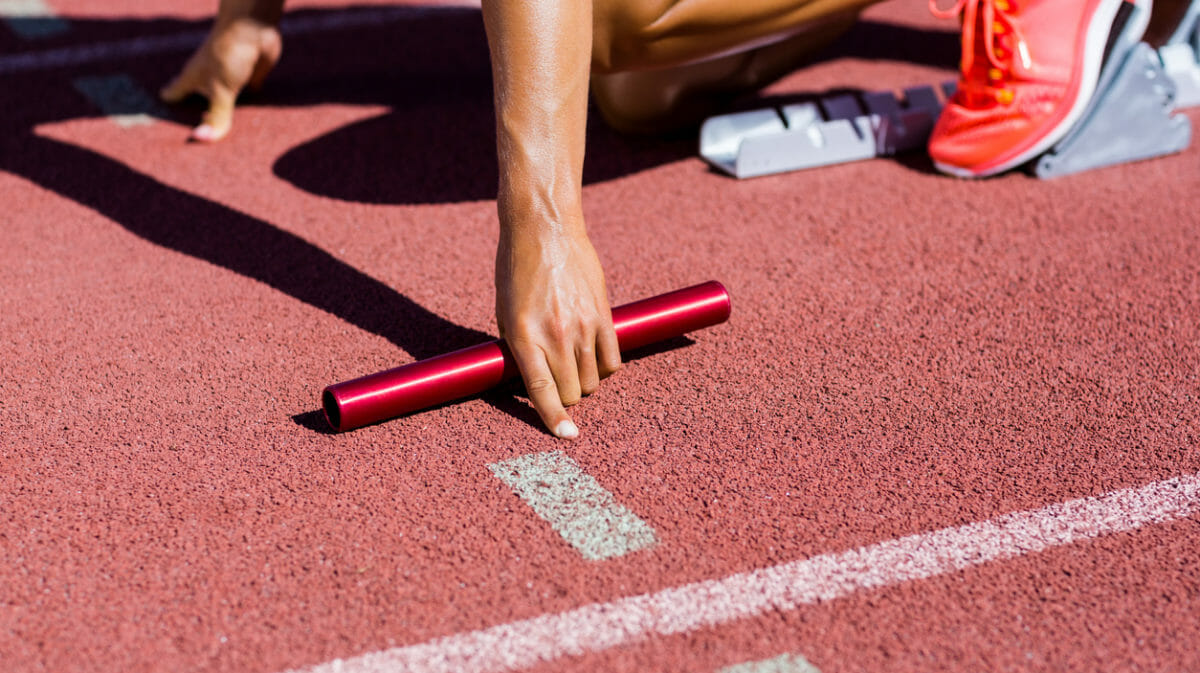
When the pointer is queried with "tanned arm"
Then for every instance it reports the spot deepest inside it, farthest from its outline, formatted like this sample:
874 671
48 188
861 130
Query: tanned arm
551 301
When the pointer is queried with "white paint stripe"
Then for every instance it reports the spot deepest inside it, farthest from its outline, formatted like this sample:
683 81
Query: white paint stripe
575 505
121 99
32 19
784 663
188 40
682 609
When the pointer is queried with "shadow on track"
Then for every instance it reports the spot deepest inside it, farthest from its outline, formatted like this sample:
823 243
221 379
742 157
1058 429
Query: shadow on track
429 65
243 244
437 144
510 397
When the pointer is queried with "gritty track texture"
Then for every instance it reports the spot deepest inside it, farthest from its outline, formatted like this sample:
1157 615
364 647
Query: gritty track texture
907 352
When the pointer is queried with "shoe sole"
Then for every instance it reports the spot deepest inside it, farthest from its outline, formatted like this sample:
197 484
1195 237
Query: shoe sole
1094 44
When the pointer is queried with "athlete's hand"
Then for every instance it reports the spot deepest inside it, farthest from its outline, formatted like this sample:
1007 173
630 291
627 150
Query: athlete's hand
552 309
238 54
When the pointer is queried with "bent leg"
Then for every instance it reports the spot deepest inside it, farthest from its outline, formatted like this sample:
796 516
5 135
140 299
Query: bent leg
668 64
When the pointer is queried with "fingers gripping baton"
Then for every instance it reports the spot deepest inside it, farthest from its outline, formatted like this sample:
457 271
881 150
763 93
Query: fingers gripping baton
470 371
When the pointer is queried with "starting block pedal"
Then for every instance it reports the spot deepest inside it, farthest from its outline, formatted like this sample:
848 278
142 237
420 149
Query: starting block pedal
1130 118
1181 58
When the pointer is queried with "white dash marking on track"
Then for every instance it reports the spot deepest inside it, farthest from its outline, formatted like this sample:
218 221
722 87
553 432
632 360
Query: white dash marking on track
600 626
784 663
121 99
575 505
32 19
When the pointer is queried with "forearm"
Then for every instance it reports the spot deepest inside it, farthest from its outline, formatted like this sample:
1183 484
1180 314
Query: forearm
551 302
541 61
264 11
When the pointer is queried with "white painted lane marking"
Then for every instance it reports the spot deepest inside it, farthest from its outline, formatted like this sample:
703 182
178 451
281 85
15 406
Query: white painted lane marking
188 40
32 19
784 663
575 505
121 99
600 626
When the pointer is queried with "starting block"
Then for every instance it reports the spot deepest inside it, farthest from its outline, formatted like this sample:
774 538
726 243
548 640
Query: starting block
831 130
1129 118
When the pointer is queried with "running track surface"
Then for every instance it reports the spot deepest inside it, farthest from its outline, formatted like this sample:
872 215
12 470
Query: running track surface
864 470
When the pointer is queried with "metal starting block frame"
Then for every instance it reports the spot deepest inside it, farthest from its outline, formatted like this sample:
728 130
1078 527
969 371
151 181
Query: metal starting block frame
1129 118
830 130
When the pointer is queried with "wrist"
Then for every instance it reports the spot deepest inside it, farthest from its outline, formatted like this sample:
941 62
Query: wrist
524 214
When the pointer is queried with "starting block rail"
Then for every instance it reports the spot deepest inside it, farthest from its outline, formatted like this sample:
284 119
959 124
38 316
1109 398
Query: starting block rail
831 130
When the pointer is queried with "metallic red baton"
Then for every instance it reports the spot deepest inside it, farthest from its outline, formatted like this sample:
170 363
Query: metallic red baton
470 371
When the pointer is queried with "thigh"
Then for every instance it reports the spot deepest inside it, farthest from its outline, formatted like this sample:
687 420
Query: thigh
657 100
646 34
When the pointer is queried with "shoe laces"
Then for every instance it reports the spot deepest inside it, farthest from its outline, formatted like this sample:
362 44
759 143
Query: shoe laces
1000 41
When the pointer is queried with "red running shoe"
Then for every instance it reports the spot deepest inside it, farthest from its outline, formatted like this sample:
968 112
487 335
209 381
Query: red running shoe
1028 70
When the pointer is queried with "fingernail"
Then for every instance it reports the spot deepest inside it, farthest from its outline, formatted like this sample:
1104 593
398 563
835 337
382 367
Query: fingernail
566 430
204 133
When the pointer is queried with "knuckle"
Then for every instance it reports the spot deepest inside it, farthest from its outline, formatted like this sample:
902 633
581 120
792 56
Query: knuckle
557 330
589 386
609 367
538 385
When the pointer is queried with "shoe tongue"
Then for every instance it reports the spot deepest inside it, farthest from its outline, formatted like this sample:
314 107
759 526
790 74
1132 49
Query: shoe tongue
974 96
974 90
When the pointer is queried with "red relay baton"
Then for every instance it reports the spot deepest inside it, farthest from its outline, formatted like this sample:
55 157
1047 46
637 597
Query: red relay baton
470 371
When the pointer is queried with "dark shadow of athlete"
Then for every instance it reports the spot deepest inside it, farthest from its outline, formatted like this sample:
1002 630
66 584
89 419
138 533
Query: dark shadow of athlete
437 145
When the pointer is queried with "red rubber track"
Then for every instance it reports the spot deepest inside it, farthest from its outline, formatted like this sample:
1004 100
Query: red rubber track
907 352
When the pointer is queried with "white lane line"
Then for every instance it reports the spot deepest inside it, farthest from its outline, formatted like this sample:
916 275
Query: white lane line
121 99
188 40
575 505
32 19
601 626
784 663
